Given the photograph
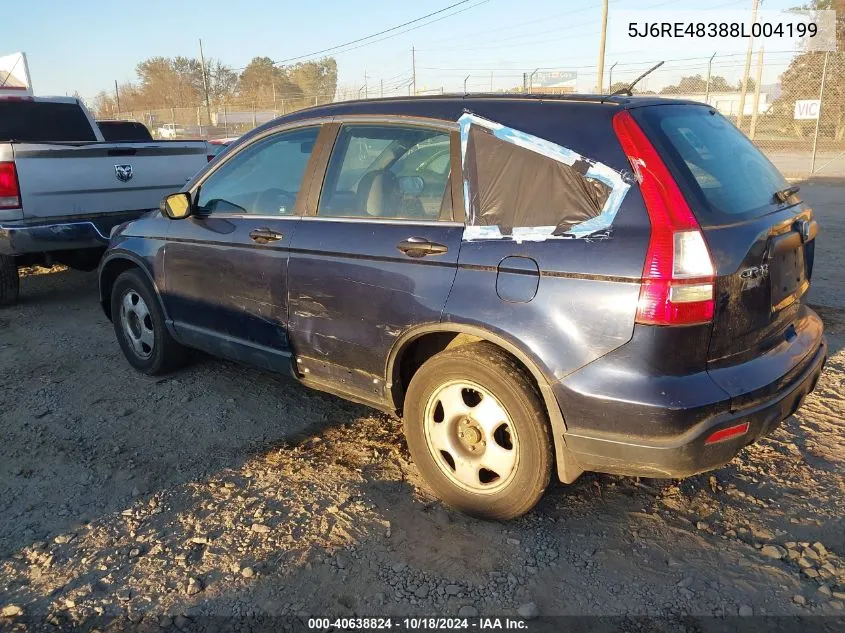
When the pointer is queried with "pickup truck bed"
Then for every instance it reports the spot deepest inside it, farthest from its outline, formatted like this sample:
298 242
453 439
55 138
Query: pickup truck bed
59 199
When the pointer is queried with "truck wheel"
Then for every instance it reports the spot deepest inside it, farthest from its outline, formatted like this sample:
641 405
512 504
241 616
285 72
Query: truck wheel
478 431
139 326
9 281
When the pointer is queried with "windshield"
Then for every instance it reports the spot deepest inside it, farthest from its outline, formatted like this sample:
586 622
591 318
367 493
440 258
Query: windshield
715 161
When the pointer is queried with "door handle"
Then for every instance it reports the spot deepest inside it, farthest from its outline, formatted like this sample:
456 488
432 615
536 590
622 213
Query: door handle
420 247
263 235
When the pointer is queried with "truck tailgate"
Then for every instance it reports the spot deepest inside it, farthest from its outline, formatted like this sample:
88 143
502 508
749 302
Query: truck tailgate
58 180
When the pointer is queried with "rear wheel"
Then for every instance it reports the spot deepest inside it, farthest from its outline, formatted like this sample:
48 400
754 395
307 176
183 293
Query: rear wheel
478 431
139 326
9 281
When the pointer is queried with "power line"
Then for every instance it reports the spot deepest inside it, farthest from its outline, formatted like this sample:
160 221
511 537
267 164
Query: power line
414 28
368 37
530 38
533 64
509 27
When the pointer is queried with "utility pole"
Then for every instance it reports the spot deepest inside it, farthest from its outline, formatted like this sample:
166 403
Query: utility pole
273 84
819 118
491 81
707 86
531 80
381 87
742 94
117 97
414 69
366 90
205 84
602 38
757 80
465 83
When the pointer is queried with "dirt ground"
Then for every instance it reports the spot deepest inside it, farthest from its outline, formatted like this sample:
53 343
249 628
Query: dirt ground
222 491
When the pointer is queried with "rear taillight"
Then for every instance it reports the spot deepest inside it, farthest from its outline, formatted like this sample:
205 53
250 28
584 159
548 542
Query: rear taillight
10 192
678 276
729 433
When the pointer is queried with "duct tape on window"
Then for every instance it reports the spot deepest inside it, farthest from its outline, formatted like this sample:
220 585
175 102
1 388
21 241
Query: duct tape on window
521 187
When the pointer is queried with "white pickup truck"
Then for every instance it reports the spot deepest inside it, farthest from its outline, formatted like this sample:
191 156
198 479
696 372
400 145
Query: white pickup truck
63 188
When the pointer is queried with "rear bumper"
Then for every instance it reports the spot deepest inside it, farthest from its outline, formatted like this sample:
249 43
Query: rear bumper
21 237
629 419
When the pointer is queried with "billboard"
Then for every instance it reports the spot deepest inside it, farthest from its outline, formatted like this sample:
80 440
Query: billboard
556 78
247 117
14 76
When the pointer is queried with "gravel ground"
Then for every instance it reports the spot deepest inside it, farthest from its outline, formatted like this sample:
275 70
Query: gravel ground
223 491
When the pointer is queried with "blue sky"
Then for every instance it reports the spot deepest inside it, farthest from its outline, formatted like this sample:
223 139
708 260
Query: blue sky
84 46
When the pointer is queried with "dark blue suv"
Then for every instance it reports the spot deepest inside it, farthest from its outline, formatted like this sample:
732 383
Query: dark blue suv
581 283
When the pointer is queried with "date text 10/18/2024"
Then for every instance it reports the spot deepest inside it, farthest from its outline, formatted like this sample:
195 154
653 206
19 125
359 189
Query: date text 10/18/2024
417 624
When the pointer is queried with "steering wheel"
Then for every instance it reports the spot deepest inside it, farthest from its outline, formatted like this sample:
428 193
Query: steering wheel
275 202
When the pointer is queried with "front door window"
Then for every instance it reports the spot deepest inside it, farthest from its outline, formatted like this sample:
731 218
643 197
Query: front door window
263 179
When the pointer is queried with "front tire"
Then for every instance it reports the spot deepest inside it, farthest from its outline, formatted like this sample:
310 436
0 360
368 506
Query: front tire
9 281
478 431
139 326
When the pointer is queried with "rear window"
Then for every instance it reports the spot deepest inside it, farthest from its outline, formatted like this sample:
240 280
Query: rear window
41 122
129 131
712 160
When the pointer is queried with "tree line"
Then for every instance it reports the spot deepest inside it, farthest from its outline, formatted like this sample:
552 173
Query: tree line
691 84
177 82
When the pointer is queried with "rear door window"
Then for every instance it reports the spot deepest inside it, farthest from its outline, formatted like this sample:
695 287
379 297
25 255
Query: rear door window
387 172
520 187
715 163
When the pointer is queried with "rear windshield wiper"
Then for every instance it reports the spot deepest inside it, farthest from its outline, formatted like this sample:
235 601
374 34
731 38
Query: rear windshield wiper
784 194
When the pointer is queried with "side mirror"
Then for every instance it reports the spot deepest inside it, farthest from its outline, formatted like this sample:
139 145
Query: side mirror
177 206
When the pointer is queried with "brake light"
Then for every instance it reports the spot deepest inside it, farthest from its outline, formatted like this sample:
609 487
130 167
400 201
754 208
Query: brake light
10 192
678 275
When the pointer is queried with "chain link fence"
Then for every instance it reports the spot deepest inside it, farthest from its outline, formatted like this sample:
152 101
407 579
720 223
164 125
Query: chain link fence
793 105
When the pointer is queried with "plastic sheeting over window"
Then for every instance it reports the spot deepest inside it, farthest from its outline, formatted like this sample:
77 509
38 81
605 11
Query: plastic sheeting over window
525 188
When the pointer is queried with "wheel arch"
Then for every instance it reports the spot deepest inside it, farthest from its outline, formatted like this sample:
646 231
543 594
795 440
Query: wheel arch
443 335
112 267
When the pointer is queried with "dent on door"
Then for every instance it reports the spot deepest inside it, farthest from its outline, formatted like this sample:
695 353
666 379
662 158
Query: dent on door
353 292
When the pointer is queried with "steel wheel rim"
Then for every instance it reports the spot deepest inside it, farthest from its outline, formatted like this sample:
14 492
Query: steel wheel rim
137 323
471 437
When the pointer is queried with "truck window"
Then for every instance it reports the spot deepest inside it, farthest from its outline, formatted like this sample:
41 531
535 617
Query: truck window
43 122
128 131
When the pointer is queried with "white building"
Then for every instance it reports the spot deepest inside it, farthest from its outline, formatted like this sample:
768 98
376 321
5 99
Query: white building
727 103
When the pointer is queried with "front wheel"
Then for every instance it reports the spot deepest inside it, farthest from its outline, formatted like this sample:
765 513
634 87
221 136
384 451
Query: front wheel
477 430
139 326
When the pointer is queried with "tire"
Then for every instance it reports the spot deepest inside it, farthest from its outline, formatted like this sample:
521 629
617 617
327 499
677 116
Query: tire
9 281
143 338
494 428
